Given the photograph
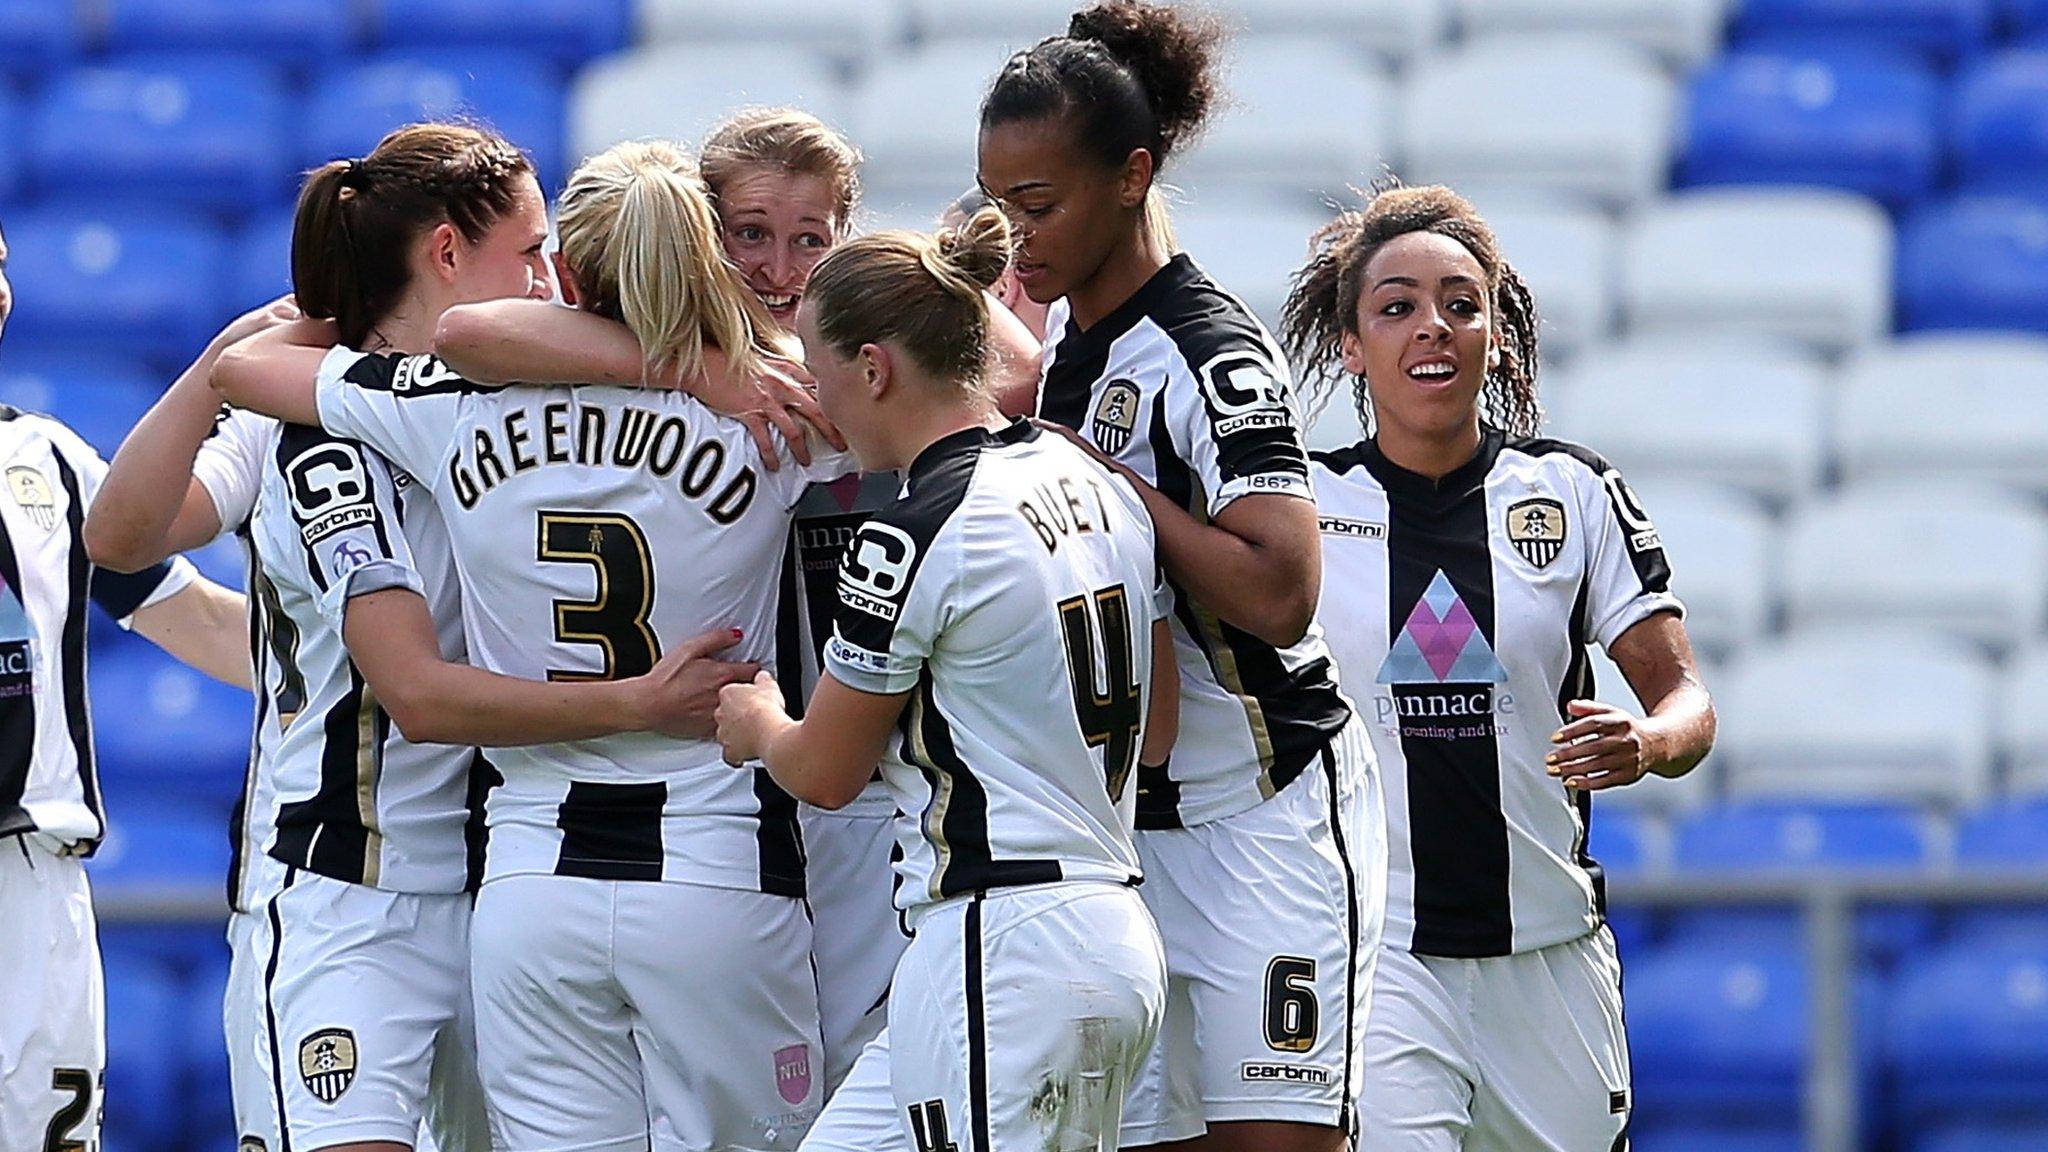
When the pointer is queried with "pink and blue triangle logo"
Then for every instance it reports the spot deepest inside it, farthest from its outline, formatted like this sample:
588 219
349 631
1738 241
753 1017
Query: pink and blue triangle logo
1441 644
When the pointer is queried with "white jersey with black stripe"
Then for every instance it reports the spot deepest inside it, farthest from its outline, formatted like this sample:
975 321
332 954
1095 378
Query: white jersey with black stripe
1459 611
49 786
592 527
1011 591
1185 386
334 788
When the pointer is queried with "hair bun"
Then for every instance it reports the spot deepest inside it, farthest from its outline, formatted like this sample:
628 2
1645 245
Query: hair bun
1171 51
978 248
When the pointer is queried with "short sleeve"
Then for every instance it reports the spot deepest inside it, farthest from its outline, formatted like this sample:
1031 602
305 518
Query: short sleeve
1238 425
119 594
1627 576
789 482
229 466
406 407
896 587
344 512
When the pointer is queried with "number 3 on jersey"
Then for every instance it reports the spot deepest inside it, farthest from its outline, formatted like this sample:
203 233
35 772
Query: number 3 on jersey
616 619
1107 699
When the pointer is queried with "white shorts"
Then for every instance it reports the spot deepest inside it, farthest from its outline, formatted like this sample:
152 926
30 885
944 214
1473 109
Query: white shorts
609 1007
856 940
53 1044
348 1018
1271 919
1524 1052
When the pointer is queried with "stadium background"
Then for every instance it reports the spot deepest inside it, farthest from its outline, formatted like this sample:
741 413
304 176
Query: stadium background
1793 261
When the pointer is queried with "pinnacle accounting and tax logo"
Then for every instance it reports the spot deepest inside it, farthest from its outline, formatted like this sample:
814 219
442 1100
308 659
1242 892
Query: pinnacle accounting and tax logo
1442 680
17 662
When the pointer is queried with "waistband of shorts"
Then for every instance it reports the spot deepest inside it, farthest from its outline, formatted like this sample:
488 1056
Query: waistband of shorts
913 917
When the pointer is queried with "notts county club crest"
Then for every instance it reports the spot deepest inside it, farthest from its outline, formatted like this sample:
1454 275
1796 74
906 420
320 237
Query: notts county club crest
32 493
1536 528
327 1063
1116 416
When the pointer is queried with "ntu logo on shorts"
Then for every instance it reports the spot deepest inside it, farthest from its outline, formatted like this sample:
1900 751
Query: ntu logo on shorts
793 1073
1441 644
327 1063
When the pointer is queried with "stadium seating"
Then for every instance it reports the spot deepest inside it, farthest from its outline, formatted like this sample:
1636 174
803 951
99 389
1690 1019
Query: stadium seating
1972 1136
2025 17
2012 837
100 397
1860 713
1810 265
353 106
1568 256
851 31
1745 413
1942 29
1709 1137
36 34
1999 122
1249 244
209 1112
135 284
568 32
142 1036
1682 32
12 127
177 843
167 706
1946 405
1782 117
260 261
1336 424
679 91
918 121
1574 116
2023 721
1723 552
1276 131
1393 29
1968 1032
301 32
1975 262
1717 1030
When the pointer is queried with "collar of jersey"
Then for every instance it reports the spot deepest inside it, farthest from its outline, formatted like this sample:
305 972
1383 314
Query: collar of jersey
1460 481
1178 271
968 440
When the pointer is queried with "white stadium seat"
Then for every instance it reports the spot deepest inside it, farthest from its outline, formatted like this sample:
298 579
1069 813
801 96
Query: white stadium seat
1336 424
1251 245
1863 713
1809 264
2023 721
1957 404
679 91
1723 550
1570 258
1028 21
1968 560
1395 29
918 117
849 29
1682 32
1748 414
1578 115
1279 132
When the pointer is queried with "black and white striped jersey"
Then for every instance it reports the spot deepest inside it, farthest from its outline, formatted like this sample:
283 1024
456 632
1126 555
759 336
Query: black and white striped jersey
48 784
592 526
822 524
1185 386
1011 592
1459 611
334 789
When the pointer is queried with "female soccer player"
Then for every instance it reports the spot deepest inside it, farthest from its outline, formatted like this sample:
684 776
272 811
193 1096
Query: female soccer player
593 1020
349 1018
1262 838
1467 565
1001 618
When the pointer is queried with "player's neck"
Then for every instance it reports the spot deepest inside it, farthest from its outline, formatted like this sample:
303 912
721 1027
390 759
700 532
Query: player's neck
1432 454
1127 268
407 328
915 431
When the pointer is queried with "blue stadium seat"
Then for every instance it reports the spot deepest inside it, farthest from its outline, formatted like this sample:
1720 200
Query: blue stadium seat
1974 262
1978 1136
261 268
1770 117
142 1098
205 130
1999 122
2023 17
516 93
1942 29
1624 841
1968 1033
1717 1028
166 729
210 1112
2009 838
1716 1138
13 127
99 397
159 842
130 284
36 34
567 32
288 31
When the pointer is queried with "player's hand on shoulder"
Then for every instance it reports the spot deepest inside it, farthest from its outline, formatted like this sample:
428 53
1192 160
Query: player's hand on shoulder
779 398
745 716
1602 747
678 696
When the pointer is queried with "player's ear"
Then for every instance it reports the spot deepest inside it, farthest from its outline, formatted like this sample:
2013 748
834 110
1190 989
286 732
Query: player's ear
1492 355
1137 178
571 293
878 370
1351 350
443 252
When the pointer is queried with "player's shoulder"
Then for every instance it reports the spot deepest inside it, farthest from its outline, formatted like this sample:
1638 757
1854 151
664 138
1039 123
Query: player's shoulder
401 374
936 488
1204 321
22 430
1568 458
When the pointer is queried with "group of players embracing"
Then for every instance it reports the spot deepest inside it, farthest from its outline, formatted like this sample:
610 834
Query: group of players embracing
535 852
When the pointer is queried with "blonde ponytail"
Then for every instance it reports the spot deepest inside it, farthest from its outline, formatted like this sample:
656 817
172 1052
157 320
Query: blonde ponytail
927 294
639 232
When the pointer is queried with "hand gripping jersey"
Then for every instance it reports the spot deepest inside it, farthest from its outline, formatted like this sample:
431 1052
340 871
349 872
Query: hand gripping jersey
48 784
1011 592
334 788
592 526
1460 611
1184 385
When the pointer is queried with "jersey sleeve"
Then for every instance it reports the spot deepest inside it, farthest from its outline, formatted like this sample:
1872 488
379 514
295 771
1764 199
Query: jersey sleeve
344 511
1627 576
406 407
119 594
789 482
229 466
897 586
1238 423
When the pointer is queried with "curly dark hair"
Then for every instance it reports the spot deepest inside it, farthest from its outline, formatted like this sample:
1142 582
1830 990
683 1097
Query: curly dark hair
1323 304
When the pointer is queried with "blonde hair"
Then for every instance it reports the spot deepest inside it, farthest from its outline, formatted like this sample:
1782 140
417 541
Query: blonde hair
926 294
641 238
789 139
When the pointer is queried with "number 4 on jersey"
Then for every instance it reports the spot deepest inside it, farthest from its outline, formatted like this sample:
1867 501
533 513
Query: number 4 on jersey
1107 699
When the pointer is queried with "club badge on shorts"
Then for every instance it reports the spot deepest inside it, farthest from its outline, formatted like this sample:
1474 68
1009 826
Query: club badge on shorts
327 1063
32 494
1116 416
793 1073
1536 528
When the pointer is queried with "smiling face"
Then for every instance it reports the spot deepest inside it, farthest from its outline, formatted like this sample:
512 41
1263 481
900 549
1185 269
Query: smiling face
1424 337
776 225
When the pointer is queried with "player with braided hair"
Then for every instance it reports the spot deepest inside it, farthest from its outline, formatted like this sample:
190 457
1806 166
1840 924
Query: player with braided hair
1467 564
